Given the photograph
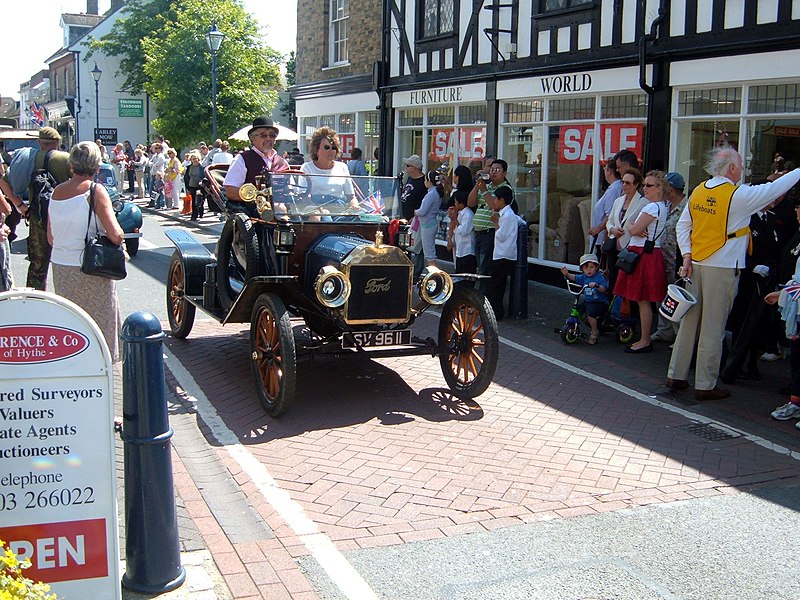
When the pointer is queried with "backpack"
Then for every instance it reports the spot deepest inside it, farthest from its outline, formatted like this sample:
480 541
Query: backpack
42 185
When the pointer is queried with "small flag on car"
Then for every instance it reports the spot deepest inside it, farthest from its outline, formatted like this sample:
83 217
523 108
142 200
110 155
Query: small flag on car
793 290
373 203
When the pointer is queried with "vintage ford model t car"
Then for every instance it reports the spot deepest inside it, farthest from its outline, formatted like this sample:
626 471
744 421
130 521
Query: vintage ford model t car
328 252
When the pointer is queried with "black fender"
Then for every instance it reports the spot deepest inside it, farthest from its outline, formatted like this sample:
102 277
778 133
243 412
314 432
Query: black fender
195 258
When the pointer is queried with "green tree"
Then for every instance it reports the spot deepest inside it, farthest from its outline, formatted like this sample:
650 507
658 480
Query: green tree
163 51
289 107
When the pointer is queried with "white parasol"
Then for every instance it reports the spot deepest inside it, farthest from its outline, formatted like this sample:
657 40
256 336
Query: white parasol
284 133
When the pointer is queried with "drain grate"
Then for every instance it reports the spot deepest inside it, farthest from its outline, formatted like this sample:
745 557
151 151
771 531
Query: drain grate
709 432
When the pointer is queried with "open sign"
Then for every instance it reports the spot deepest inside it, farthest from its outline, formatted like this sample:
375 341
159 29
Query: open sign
576 143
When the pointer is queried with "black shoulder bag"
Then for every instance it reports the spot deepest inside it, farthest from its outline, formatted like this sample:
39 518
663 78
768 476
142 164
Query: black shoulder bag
101 257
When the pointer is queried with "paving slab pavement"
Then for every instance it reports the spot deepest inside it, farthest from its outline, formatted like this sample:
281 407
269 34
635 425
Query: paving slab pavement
387 464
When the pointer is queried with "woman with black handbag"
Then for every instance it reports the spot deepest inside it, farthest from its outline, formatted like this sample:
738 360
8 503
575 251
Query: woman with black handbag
623 213
67 232
647 281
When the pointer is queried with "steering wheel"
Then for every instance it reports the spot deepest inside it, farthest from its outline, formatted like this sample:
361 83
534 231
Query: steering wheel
298 186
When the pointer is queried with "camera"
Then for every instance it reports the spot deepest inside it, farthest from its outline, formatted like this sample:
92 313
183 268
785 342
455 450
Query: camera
486 177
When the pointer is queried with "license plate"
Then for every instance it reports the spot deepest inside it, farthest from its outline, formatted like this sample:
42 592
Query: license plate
371 339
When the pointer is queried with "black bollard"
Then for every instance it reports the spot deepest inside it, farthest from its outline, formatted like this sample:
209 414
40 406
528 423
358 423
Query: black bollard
518 295
152 546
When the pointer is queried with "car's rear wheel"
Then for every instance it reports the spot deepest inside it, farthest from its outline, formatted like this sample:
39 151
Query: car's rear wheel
273 355
237 258
180 312
132 246
469 343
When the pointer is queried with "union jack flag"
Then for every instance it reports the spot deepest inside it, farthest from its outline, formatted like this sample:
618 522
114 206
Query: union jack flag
793 290
373 203
37 115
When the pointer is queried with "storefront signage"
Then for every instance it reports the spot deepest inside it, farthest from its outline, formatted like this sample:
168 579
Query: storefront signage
576 143
449 95
446 95
58 501
787 131
107 136
562 84
130 107
465 143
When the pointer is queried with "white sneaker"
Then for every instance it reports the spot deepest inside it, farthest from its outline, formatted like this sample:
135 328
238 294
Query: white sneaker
797 425
770 356
786 412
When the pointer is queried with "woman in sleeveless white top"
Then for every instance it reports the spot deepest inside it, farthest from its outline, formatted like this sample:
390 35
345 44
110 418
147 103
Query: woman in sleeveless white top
67 232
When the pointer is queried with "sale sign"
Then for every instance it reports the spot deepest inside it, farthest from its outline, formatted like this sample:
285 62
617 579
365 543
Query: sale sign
462 143
348 142
576 143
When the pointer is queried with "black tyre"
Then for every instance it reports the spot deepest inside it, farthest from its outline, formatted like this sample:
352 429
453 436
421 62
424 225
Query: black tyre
237 258
570 334
625 334
132 246
180 312
469 340
273 356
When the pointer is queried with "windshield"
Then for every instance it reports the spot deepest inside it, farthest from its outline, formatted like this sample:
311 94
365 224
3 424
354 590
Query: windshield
322 198
106 176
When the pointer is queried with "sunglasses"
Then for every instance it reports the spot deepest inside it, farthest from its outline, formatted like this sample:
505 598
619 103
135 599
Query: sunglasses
333 147
626 182
650 185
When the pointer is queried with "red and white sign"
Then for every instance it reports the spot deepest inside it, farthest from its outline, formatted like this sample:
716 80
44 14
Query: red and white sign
348 142
39 343
463 143
60 551
58 499
787 131
576 143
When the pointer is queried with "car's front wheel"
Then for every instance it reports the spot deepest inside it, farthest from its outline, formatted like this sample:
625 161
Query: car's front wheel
468 342
180 312
273 356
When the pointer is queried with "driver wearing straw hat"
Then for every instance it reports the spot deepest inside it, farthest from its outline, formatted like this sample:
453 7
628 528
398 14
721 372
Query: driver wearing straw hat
251 163
713 250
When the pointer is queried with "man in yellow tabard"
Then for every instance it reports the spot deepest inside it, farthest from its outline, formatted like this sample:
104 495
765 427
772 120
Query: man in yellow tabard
713 238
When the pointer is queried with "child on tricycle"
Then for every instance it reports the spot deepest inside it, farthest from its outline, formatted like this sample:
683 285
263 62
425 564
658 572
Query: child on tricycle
594 304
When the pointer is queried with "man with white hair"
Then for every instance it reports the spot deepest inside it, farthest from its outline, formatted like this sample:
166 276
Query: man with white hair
713 234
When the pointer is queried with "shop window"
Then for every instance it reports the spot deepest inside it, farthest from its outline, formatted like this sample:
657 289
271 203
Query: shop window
548 6
695 139
441 116
524 112
410 117
718 101
437 17
372 132
571 109
774 98
630 106
770 138
347 123
472 114
328 121
340 14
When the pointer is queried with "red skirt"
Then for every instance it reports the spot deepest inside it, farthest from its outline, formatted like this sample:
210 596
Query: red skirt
647 282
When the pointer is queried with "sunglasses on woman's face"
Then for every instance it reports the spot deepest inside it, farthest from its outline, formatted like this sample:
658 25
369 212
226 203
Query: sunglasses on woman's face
626 182
327 147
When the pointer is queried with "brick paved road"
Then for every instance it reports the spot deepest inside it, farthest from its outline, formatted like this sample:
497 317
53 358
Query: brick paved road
377 453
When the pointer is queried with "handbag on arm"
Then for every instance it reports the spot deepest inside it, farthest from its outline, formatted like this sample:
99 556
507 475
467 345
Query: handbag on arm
101 257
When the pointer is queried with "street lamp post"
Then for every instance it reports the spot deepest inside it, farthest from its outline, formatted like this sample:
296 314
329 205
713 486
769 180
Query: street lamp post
214 40
96 73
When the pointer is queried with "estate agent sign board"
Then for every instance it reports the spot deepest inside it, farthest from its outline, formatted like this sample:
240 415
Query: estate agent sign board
58 501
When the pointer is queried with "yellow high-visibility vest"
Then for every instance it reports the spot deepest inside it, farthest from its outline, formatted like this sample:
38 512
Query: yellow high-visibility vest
709 208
